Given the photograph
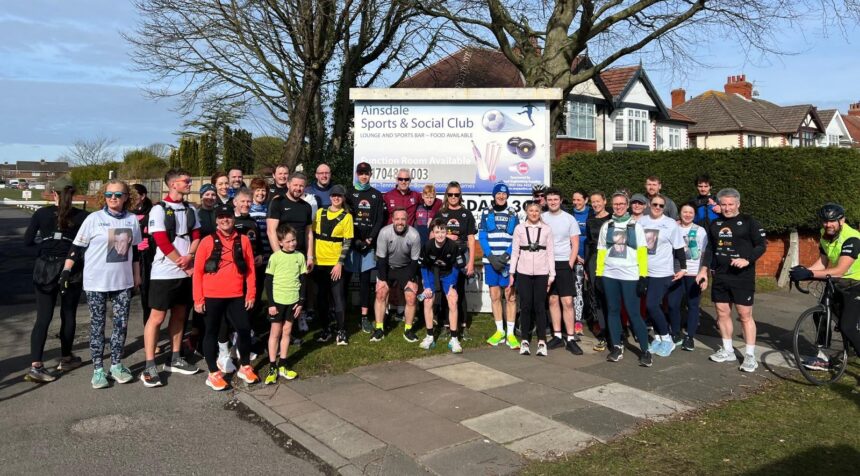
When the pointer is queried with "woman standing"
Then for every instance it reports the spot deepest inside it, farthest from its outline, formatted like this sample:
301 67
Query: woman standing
666 266
462 229
106 242
57 226
592 235
622 267
533 268
222 188
333 234
206 212
695 241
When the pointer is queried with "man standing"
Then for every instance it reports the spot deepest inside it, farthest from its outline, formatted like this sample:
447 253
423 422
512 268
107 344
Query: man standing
321 189
735 242
565 233
237 182
496 234
293 211
653 185
175 228
398 248
368 211
279 176
705 202
401 196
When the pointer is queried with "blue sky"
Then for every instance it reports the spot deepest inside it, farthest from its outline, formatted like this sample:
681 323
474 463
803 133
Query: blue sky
66 74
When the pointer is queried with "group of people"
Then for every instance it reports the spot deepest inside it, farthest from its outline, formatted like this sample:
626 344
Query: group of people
548 268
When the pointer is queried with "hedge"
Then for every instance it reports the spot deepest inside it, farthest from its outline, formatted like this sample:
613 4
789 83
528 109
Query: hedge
781 187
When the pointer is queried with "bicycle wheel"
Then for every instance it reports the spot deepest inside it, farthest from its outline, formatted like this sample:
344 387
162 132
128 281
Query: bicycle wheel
819 347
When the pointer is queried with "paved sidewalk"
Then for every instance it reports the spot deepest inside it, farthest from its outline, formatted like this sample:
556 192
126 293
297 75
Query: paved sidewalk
489 411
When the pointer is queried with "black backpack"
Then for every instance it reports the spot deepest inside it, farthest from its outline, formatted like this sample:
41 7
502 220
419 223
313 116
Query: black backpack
170 219
214 260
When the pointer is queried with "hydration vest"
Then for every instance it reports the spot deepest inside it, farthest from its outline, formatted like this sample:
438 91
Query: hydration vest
170 220
214 261
491 220
631 234
327 227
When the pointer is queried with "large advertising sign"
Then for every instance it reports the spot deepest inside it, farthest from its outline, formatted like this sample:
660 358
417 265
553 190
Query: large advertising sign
476 143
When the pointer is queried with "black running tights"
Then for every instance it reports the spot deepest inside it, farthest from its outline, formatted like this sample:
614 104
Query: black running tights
45 303
234 310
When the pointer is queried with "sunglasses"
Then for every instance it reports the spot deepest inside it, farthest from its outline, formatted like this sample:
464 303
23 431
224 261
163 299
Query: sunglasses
453 194
403 179
116 195
539 195
658 205
188 180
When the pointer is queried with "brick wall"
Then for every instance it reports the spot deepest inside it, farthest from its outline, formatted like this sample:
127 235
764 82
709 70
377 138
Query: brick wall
777 247
566 146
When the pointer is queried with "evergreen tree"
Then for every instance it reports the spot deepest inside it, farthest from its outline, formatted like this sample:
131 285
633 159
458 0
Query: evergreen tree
173 159
207 155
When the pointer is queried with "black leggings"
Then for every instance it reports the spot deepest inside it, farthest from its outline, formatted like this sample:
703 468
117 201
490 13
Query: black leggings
848 303
365 291
146 258
329 291
531 293
234 310
45 303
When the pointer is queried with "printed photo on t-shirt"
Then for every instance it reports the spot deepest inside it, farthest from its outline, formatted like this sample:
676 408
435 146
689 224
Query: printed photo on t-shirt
651 237
119 245
619 244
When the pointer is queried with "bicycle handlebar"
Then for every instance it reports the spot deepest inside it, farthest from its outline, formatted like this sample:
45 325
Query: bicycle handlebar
828 279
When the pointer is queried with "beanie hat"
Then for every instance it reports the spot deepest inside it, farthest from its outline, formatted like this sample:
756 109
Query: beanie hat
500 187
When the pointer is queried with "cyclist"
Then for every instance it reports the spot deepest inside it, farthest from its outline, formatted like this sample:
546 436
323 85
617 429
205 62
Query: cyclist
838 253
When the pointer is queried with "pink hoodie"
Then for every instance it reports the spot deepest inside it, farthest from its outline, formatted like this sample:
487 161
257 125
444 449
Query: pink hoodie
532 263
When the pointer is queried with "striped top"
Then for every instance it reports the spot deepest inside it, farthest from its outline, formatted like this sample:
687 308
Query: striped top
495 232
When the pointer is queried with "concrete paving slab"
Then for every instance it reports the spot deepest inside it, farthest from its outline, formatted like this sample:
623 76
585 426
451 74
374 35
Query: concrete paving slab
695 393
349 442
313 445
510 424
478 457
538 398
438 361
283 396
565 359
393 375
561 378
551 444
318 422
450 400
601 422
632 401
503 359
317 385
474 376
293 410
388 461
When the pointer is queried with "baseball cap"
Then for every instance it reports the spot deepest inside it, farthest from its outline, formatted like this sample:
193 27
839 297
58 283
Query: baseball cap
363 167
337 190
638 197
500 187
224 210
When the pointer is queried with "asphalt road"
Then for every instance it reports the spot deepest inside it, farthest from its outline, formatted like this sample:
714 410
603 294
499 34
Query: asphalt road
67 427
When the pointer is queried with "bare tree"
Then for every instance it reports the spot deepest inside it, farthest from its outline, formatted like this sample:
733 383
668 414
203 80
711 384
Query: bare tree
95 151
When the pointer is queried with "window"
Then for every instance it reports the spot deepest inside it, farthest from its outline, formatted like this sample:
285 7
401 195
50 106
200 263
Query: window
765 141
807 139
751 140
637 126
579 120
619 127
833 139
668 138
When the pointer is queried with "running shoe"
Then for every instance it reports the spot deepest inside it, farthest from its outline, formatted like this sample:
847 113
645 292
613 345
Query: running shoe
577 328
454 346
150 377
69 363
749 364
287 373
341 338
645 359
378 335
496 338
573 347
599 346
512 342
678 339
616 354
465 335
723 355
272 376
247 374
121 373
524 348
39 375
689 344
428 343
816 363
225 364
664 348
555 342
216 381
181 366
366 325
99 379
324 335
541 350
410 336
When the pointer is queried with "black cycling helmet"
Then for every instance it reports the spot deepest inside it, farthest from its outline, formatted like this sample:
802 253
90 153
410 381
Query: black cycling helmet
539 188
831 212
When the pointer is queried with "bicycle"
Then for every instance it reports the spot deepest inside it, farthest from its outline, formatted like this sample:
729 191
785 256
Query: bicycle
819 346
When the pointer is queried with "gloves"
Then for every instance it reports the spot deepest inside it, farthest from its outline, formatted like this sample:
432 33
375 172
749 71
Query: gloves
642 286
496 263
63 282
800 273
505 259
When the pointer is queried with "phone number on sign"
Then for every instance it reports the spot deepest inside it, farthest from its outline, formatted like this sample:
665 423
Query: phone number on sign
390 174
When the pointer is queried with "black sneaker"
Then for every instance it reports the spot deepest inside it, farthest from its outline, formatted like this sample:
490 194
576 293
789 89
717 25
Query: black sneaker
181 366
341 338
69 363
150 377
554 343
39 375
377 336
573 347
464 334
366 325
324 335
616 354
645 359
689 344
410 336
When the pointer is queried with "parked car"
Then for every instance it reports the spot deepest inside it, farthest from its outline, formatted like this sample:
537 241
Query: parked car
23 185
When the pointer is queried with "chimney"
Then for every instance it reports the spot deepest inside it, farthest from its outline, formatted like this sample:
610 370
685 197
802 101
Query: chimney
679 96
739 85
854 109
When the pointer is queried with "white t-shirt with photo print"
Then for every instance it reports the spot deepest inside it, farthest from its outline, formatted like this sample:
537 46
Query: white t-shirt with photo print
662 236
162 266
108 257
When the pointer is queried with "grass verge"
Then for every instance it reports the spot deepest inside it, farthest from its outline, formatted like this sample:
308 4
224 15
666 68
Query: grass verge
786 428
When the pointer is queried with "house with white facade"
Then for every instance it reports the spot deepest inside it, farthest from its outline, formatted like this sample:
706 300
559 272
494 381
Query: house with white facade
836 133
